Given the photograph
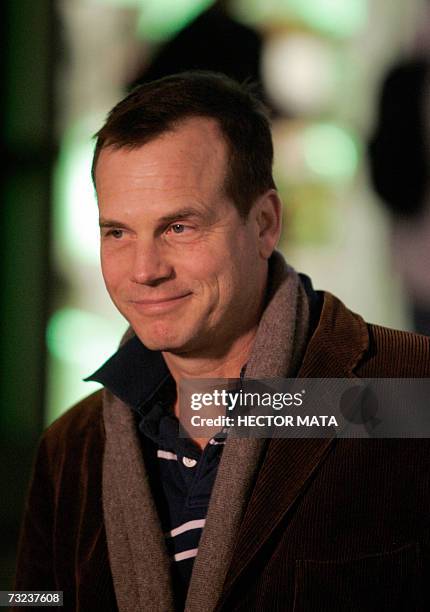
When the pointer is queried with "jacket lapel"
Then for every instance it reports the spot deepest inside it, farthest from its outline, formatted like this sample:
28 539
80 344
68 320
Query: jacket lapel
338 343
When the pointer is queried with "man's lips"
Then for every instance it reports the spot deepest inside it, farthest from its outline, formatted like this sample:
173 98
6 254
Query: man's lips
159 304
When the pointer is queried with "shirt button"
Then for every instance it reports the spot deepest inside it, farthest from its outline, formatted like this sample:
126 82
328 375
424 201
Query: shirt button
189 462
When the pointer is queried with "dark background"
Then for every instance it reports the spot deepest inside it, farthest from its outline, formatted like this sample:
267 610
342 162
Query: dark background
28 147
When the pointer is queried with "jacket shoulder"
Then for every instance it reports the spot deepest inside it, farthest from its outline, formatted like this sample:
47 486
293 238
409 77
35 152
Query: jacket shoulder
77 426
393 353
343 344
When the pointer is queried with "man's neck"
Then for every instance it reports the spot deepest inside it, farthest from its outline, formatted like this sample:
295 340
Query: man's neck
228 365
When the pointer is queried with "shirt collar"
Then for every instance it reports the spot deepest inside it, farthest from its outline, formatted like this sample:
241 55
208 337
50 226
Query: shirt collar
134 373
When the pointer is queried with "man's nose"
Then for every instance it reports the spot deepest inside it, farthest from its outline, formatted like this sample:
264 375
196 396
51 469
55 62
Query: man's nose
150 266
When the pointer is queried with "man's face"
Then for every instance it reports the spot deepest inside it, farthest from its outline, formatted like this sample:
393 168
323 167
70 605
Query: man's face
178 261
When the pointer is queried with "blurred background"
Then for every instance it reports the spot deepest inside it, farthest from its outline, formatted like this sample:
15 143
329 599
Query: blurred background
348 85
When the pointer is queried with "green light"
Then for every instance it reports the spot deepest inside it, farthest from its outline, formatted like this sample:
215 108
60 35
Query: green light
76 232
80 337
330 152
337 17
161 19
340 18
78 343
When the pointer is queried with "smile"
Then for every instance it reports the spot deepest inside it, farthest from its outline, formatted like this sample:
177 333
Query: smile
160 305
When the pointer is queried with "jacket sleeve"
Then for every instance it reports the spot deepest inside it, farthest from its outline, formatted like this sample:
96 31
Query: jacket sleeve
35 563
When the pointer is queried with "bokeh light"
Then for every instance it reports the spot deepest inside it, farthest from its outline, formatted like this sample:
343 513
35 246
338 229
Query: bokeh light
300 73
78 342
81 337
161 19
331 151
338 18
75 208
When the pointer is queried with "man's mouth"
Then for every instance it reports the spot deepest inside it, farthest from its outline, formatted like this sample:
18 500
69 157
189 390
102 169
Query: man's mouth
160 304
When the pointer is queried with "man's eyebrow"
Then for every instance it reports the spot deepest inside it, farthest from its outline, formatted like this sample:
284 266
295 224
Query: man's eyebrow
183 213
112 223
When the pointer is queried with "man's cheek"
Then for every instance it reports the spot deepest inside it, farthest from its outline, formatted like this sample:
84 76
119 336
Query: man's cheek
111 271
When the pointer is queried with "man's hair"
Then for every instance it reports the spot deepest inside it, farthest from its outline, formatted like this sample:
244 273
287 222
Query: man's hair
160 106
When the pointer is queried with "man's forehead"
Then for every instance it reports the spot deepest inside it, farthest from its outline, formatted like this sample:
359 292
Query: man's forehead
199 125
188 133
193 148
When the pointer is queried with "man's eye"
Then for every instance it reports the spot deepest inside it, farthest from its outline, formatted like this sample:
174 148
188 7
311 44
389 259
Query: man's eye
115 233
177 228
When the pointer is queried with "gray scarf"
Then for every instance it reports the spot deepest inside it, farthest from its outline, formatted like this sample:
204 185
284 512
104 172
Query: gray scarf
137 553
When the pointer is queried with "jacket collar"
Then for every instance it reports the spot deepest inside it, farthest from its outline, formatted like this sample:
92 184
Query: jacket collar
339 341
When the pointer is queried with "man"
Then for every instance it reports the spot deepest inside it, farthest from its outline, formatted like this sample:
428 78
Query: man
124 514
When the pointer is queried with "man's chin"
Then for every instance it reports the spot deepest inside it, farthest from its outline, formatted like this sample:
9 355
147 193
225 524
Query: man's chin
166 345
168 338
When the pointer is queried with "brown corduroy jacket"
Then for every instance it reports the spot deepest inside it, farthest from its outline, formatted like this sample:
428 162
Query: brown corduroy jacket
331 525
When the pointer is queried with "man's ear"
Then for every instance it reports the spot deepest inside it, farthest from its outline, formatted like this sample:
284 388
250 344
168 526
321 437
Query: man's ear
268 219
